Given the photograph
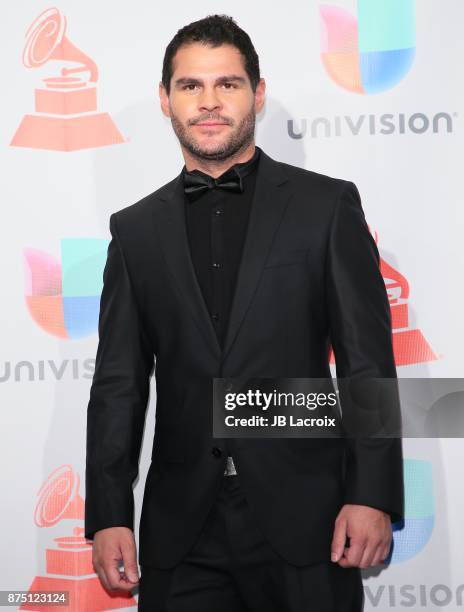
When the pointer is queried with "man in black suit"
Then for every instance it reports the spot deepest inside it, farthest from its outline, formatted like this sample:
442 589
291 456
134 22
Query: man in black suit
241 266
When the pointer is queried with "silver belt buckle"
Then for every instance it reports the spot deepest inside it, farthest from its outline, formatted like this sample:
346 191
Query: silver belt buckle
230 467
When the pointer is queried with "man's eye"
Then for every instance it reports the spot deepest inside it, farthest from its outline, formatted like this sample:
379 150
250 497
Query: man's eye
227 85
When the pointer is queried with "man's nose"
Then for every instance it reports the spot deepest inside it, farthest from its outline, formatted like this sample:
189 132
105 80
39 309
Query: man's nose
209 100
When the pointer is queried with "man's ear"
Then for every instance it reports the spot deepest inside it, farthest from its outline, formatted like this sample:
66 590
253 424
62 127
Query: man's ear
164 99
260 95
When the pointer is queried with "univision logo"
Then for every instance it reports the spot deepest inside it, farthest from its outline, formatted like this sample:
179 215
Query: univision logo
386 124
63 297
412 536
372 53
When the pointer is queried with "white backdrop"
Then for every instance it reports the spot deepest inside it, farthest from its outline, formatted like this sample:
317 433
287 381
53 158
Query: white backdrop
56 205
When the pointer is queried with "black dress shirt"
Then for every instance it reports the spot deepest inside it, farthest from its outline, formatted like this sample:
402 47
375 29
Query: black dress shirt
216 227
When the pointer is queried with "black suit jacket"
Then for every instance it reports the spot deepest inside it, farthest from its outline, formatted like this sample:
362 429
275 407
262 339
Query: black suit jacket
309 276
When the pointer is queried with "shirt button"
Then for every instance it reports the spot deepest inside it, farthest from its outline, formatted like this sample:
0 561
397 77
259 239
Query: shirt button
218 211
215 316
216 264
217 452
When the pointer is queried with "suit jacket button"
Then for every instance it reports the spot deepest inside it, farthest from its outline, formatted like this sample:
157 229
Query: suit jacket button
217 452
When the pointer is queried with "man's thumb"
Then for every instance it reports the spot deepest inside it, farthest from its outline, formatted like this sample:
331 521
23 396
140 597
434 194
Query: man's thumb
129 556
132 572
338 540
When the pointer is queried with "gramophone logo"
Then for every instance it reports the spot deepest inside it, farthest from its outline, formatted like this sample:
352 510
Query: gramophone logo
63 297
66 117
412 536
409 345
68 560
372 53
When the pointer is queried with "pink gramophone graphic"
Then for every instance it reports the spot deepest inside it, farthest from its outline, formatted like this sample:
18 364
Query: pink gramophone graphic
66 117
409 345
69 564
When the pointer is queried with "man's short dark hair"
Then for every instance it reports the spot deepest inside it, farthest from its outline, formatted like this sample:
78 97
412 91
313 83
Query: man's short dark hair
213 30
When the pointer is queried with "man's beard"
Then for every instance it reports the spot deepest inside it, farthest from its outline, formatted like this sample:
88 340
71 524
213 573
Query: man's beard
238 140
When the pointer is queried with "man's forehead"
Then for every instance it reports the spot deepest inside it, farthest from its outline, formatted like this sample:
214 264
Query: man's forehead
204 61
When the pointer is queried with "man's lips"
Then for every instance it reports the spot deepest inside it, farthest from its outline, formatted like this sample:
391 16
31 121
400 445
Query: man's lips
209 123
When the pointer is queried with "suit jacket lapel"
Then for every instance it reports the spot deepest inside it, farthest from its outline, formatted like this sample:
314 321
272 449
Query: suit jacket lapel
170 224
271 196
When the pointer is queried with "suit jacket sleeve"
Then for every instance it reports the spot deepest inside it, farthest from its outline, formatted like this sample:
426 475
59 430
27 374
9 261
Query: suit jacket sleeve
118 399
361 337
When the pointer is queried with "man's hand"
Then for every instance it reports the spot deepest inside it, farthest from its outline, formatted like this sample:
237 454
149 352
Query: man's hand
370 536
110 546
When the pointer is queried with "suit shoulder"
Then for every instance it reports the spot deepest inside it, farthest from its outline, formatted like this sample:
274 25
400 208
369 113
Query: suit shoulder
137 209
325 184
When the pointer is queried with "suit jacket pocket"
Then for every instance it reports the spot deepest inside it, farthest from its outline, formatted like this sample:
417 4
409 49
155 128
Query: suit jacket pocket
287 257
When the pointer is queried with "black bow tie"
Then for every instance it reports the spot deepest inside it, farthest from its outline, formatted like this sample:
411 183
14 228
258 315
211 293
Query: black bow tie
197 182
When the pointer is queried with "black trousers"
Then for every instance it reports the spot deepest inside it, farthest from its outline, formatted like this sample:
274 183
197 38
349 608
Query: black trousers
232 568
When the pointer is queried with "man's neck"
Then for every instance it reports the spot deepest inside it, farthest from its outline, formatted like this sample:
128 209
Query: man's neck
214 167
